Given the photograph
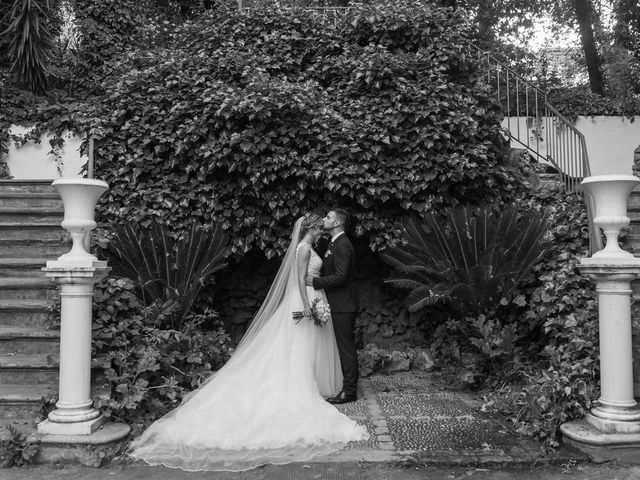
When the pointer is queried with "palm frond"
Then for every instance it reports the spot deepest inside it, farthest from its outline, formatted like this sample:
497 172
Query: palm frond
474 255
425 302
29 41
161 263
404 283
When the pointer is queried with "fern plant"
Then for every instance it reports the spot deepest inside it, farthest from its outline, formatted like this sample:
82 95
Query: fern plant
169 270
469 260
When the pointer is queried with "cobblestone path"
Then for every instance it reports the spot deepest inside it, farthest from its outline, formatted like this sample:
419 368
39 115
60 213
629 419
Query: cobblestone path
408 414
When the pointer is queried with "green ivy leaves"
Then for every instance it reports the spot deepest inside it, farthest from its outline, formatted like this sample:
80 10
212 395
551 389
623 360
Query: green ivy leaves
251 119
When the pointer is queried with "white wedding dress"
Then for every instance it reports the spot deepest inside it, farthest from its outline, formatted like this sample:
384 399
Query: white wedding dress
266 404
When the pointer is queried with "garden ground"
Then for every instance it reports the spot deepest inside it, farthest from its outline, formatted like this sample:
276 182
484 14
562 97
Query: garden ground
337 471
419 429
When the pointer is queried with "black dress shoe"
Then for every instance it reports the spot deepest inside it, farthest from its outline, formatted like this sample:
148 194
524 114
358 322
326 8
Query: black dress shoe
341 398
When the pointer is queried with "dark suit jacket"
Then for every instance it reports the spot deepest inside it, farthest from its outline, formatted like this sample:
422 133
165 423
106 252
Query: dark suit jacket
336 278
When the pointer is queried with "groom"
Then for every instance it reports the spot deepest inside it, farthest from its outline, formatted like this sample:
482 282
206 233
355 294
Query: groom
337 269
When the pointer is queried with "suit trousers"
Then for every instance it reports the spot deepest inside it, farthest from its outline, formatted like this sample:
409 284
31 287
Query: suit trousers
343 326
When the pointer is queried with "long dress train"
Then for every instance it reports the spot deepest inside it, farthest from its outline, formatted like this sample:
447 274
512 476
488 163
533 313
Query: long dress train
266 405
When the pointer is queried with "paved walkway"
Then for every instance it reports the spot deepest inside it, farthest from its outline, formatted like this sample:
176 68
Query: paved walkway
414 424
412 419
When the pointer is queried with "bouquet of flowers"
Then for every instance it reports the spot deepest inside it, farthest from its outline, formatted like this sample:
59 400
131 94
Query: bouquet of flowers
320 312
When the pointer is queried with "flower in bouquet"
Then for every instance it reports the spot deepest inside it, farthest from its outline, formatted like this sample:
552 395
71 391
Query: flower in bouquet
320 312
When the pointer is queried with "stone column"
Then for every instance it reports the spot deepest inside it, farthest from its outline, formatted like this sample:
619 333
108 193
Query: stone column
74 413
616 412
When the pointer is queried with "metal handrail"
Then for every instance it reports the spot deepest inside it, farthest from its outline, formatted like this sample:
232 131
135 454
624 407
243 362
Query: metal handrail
566 147
565 144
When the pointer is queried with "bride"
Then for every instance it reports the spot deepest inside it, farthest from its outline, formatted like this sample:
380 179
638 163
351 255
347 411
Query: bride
266 404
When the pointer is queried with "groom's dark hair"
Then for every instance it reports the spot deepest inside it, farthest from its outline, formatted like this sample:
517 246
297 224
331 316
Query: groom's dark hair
343 216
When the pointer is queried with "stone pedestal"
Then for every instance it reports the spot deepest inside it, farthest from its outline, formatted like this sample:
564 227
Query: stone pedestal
75 421
611 431
74 413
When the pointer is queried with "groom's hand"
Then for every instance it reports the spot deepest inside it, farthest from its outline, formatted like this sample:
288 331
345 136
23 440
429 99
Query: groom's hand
309 282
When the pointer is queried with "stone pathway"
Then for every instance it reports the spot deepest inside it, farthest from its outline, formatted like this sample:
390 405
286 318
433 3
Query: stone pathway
413 419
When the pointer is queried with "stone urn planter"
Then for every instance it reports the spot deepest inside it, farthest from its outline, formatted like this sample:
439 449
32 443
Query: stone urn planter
609 194
80 196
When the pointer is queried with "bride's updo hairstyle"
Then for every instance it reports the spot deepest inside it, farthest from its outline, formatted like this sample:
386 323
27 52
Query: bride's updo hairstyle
311 221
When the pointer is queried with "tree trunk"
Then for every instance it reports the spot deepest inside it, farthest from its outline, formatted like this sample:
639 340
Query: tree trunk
583 15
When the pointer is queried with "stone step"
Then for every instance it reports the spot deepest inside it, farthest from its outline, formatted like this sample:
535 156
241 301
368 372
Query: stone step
50 231
38 368
28 288
26 312
30 200
25 401
25 340
633 235
549 178
31 215
28 369
22 425
26 186
631 240
22 267
633 211
32 248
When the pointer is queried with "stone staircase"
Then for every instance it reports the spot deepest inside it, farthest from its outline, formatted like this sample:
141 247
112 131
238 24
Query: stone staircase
30 234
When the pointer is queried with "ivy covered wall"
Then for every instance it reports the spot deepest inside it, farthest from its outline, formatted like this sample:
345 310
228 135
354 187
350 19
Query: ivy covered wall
250 119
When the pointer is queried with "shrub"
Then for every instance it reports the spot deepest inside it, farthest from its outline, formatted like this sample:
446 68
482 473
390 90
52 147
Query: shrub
17 450
151 368
249 119
540 351
169 272
575 101
563 364
469 261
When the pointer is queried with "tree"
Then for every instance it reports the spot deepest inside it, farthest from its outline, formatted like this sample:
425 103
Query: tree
627 26
624 62
28 39
584 16
502 18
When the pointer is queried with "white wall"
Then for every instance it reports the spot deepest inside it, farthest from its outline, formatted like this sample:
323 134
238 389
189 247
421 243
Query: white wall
31 161
610 141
